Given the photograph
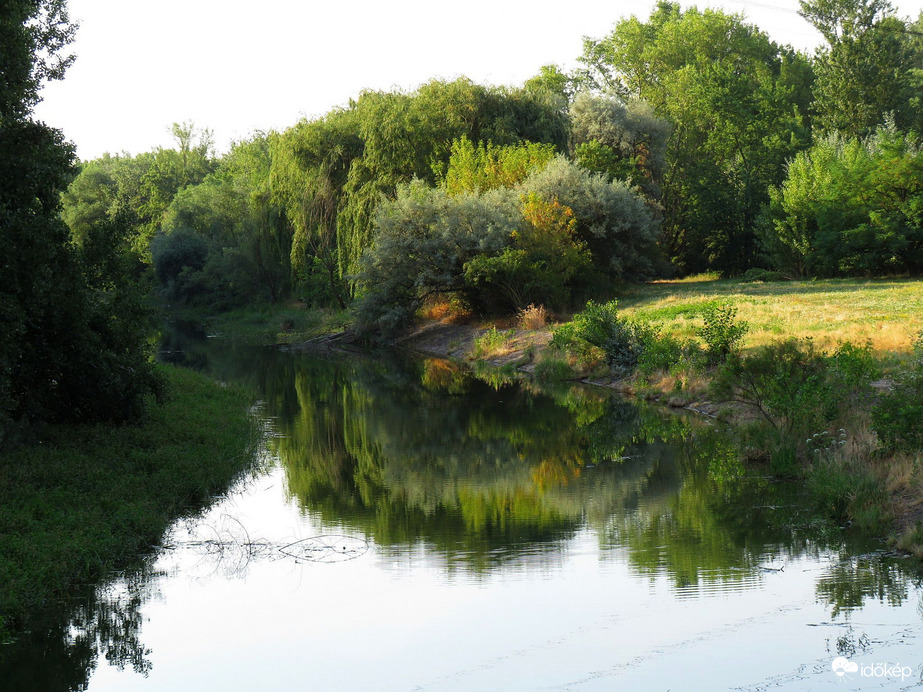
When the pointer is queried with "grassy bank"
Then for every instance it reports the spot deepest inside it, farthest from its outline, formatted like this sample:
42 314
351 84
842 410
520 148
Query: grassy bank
266 323
889 313
88 499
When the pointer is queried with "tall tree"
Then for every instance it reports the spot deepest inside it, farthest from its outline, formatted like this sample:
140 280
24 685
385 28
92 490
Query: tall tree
866 73
71 345
732 98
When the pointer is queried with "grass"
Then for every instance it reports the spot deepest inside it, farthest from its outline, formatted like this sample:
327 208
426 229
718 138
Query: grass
269 323
492 343
887 312
86 500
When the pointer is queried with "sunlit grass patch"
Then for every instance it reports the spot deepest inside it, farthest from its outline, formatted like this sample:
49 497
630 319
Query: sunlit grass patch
886 312
492 343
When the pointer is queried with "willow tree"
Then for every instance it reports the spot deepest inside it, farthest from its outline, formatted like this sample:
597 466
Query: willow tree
311 165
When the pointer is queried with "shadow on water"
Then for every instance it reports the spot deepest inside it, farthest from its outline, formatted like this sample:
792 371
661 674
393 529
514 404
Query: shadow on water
477 474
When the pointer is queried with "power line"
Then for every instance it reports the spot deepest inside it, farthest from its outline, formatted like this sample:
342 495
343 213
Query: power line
766 6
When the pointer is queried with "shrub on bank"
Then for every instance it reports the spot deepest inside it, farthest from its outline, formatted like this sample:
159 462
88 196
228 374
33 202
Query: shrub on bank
898 414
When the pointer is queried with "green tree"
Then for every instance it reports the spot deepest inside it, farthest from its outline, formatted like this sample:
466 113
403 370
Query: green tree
867 70
539 266
72 345
410 135
612 219
849 206
424 238
624 140
734 100
311 163
485 166
551 80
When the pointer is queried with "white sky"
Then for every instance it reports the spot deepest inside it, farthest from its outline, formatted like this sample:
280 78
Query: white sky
239 66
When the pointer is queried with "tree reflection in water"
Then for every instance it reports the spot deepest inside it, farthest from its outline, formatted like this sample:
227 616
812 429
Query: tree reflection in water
477 472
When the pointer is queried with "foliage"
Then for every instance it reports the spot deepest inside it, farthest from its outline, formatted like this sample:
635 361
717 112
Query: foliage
485 166
795 387
618 227
898 413
489 342
407 135
553 370
599 324
424 239
623 140
849 206
501 254
540 264
784 382
172 254
662 352
243 235
73 342
550 80
737 104
721 332
868 71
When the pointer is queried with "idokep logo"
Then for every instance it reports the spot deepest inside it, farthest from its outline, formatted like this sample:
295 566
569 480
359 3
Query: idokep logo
843 666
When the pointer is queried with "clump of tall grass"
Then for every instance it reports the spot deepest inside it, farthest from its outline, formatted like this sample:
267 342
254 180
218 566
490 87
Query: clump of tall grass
532 317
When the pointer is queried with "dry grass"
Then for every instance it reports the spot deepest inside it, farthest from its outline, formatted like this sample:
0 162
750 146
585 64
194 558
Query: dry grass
533 317
887 312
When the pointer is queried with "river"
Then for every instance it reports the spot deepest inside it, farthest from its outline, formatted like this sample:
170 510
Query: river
411 525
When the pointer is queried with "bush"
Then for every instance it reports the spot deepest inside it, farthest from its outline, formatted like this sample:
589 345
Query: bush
847 207
613 219
722 335
553 370
623 341
540 265
490 341
787 383
898 415
660 352
854 368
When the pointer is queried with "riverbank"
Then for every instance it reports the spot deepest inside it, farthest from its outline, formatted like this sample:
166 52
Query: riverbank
854 481
857 483
84 501
265 324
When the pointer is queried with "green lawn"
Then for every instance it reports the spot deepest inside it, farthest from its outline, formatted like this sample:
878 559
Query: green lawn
889 312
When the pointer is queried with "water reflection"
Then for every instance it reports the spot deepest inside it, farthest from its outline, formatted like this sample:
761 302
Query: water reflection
476 475
483 470
64 649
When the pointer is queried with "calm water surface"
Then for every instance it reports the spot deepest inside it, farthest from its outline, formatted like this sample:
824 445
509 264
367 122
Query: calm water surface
416 527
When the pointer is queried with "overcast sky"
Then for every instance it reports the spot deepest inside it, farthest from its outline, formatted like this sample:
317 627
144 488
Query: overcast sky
240 66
